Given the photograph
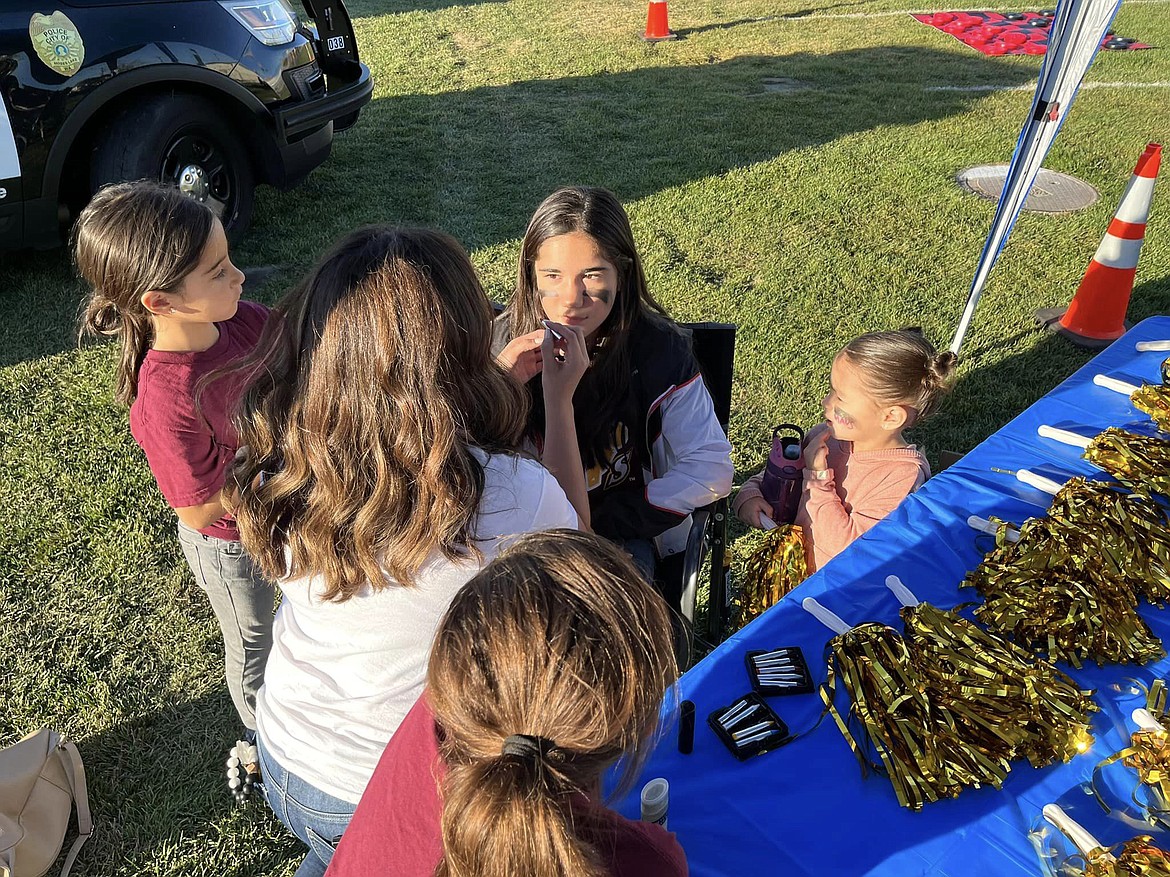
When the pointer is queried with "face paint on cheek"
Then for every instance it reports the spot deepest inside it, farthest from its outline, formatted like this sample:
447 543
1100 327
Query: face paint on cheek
545 293
842 419
604 296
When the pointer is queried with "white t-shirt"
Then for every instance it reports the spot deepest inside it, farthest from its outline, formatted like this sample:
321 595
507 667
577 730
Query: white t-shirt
341 676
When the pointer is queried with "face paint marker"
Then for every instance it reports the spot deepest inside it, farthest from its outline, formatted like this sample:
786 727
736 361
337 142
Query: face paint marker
755 738
737 708
555 333
728 723
733 713
754 729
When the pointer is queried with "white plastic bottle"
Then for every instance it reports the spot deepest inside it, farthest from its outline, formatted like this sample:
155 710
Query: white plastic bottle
655 801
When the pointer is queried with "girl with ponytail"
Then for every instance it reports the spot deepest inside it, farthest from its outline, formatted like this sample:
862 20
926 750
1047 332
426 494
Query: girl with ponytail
857 464
162 283
549 666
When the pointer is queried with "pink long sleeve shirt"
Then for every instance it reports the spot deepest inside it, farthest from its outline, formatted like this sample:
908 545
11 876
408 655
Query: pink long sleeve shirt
862 488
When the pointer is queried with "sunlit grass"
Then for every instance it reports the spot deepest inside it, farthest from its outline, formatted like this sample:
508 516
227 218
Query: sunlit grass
804 217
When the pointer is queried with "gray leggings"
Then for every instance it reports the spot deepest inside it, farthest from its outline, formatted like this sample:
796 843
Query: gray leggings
242 601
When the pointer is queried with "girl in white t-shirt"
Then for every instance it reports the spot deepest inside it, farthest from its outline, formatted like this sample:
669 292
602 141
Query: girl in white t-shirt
379 475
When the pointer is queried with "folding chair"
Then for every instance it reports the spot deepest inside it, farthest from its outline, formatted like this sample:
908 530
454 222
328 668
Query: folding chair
714 347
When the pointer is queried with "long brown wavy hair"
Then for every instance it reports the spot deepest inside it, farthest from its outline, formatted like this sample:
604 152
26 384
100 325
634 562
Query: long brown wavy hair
130 239
604 391
561 639
371 385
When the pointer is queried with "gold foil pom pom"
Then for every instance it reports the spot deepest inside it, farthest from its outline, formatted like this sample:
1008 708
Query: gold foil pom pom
1055 595
1011 703
771 565
1149 755
1128 533
1154 400
924 749
1137 858
1139 462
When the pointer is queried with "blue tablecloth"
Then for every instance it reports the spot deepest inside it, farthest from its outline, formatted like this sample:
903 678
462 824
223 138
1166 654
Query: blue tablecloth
805 809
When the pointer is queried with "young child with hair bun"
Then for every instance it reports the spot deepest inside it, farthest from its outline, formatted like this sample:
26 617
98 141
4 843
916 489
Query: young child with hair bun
549 666
857 464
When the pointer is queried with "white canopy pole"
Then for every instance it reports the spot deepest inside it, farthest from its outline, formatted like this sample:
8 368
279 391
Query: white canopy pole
1075 34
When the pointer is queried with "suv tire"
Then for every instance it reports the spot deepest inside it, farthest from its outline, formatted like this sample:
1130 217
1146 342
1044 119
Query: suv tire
181 140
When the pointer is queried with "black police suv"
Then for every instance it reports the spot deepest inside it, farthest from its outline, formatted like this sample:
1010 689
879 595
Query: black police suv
213 96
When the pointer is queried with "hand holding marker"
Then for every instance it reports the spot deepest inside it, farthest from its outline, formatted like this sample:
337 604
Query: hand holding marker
557 336
548 324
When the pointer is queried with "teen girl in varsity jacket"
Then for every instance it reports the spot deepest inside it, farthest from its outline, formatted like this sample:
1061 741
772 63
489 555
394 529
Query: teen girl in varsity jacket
650 441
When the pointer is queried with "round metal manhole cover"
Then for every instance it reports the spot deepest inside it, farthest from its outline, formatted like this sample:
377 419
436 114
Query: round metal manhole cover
1052 192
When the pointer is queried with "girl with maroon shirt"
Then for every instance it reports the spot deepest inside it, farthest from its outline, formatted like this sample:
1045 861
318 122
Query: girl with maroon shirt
548 667
162 282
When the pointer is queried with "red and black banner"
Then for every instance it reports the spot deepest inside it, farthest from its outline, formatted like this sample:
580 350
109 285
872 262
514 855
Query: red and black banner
1008 33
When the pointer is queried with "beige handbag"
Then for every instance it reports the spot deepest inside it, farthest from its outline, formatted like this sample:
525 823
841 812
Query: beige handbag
40 778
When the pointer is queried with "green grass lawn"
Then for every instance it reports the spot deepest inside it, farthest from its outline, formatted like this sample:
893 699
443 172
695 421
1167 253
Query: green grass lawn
805 216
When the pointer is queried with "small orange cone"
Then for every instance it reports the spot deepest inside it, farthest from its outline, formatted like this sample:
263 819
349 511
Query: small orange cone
657 28
1096 315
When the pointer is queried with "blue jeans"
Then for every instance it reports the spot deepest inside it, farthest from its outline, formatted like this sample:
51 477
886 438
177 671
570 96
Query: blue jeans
316 818
644 554
242 602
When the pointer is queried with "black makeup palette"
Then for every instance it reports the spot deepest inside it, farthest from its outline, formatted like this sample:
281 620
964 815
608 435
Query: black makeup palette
749 727
778 672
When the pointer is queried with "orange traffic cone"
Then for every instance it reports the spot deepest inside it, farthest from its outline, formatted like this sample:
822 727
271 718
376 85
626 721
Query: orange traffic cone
657 28
1096 315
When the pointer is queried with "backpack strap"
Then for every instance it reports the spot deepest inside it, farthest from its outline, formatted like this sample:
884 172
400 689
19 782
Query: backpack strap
75 773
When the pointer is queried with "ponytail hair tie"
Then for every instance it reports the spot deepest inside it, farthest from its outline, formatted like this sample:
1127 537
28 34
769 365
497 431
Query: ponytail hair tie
527 746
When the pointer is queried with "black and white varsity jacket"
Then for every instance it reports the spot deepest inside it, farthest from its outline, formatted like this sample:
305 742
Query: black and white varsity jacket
668 454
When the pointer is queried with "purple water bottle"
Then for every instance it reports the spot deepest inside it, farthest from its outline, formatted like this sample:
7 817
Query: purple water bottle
783 476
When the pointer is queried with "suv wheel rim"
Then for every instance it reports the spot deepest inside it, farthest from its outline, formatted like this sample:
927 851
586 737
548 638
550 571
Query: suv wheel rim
200 169
193 183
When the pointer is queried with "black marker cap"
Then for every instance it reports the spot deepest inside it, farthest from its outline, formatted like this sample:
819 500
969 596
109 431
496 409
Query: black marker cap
686 727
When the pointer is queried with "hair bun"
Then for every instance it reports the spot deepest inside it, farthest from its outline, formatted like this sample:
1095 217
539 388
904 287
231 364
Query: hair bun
944 365
103 317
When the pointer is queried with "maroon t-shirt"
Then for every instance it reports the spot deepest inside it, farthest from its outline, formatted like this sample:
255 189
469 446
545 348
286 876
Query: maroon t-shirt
396 828
188 453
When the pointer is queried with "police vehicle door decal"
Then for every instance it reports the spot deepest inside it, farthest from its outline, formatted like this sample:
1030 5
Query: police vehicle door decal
9 163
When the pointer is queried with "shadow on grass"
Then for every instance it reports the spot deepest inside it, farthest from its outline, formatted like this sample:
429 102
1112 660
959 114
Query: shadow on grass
800 13
160 802
643 131
365 8
477 162
1018 381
